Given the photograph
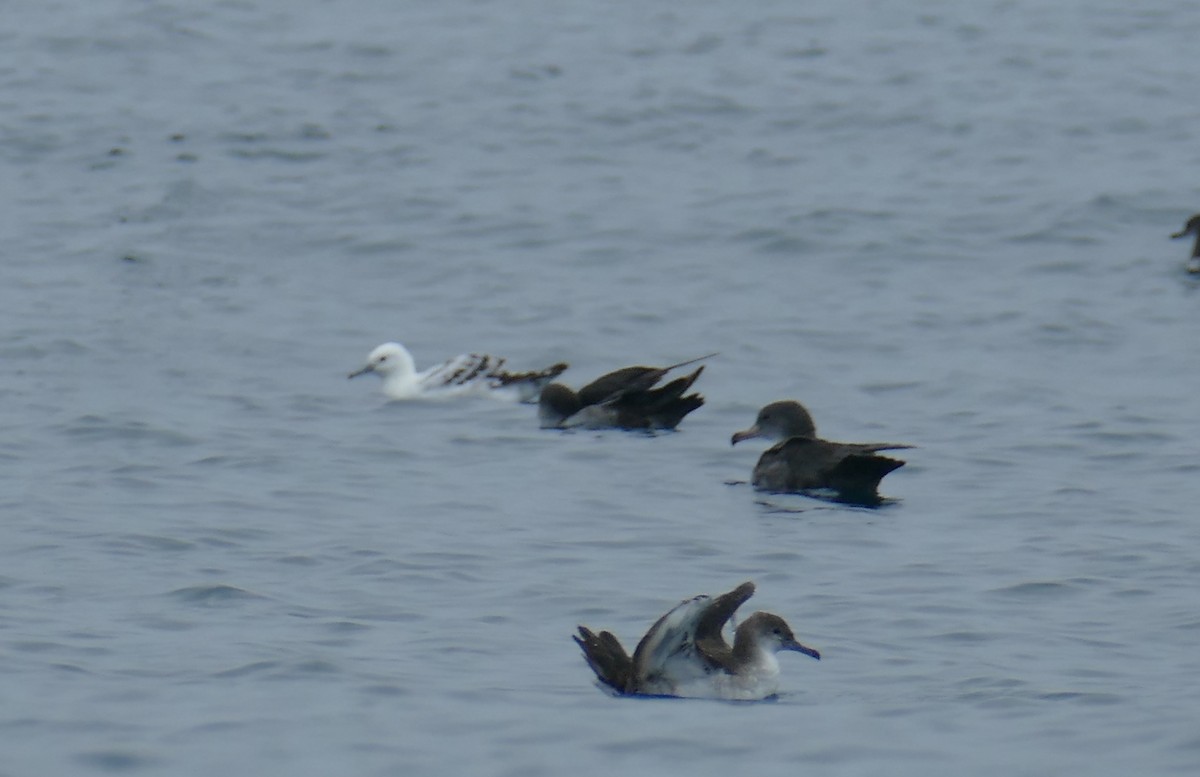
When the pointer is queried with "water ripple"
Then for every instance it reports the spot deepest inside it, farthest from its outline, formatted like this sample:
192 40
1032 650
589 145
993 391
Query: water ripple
213 594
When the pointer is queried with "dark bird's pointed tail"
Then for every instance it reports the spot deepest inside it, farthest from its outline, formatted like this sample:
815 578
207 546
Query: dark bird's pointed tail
856 477
607 658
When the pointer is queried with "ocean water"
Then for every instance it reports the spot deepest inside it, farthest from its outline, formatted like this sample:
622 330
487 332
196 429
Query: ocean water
936 223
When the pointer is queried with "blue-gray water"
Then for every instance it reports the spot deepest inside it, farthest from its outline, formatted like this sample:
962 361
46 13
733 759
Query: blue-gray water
936 223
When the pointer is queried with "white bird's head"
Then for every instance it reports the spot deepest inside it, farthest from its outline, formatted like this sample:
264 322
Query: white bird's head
387 360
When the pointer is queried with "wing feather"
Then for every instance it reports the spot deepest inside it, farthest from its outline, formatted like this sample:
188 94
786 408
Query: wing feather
710 642
461 371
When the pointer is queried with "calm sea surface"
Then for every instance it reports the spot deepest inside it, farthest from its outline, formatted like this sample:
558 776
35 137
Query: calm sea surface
936 223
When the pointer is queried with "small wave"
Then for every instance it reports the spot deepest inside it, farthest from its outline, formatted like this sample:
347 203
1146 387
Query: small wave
115 760
255 667
278 154
94 427
212 594
150 542
964 637
1082 697
1035 588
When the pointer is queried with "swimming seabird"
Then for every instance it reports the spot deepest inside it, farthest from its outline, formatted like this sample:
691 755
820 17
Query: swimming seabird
468 373
685 654
622 399
804 462
1192 227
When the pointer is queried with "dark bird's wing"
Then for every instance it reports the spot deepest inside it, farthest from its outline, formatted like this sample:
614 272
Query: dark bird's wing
638 408
710 642
618 382
806 463
665 407
629 379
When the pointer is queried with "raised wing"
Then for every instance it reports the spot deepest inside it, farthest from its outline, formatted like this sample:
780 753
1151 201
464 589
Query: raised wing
686 644
710 642
667 654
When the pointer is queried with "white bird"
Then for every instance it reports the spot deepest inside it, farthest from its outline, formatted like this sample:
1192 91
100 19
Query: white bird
468 373
685 654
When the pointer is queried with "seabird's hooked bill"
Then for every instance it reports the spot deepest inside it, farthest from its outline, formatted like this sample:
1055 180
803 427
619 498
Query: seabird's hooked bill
468 373
805 462
685 654
622 399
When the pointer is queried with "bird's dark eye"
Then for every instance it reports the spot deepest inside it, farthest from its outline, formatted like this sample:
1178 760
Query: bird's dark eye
383 358
777 633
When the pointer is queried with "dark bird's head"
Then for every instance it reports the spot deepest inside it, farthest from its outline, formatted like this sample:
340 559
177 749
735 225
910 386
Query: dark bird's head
768 632
556 404
779 421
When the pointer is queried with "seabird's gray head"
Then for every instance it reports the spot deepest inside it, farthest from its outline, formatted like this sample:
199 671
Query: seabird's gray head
387 359
771 633
779 421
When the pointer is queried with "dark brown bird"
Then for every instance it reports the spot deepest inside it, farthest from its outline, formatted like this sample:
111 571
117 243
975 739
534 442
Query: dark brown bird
804 462
685 654
622 399
1192 227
